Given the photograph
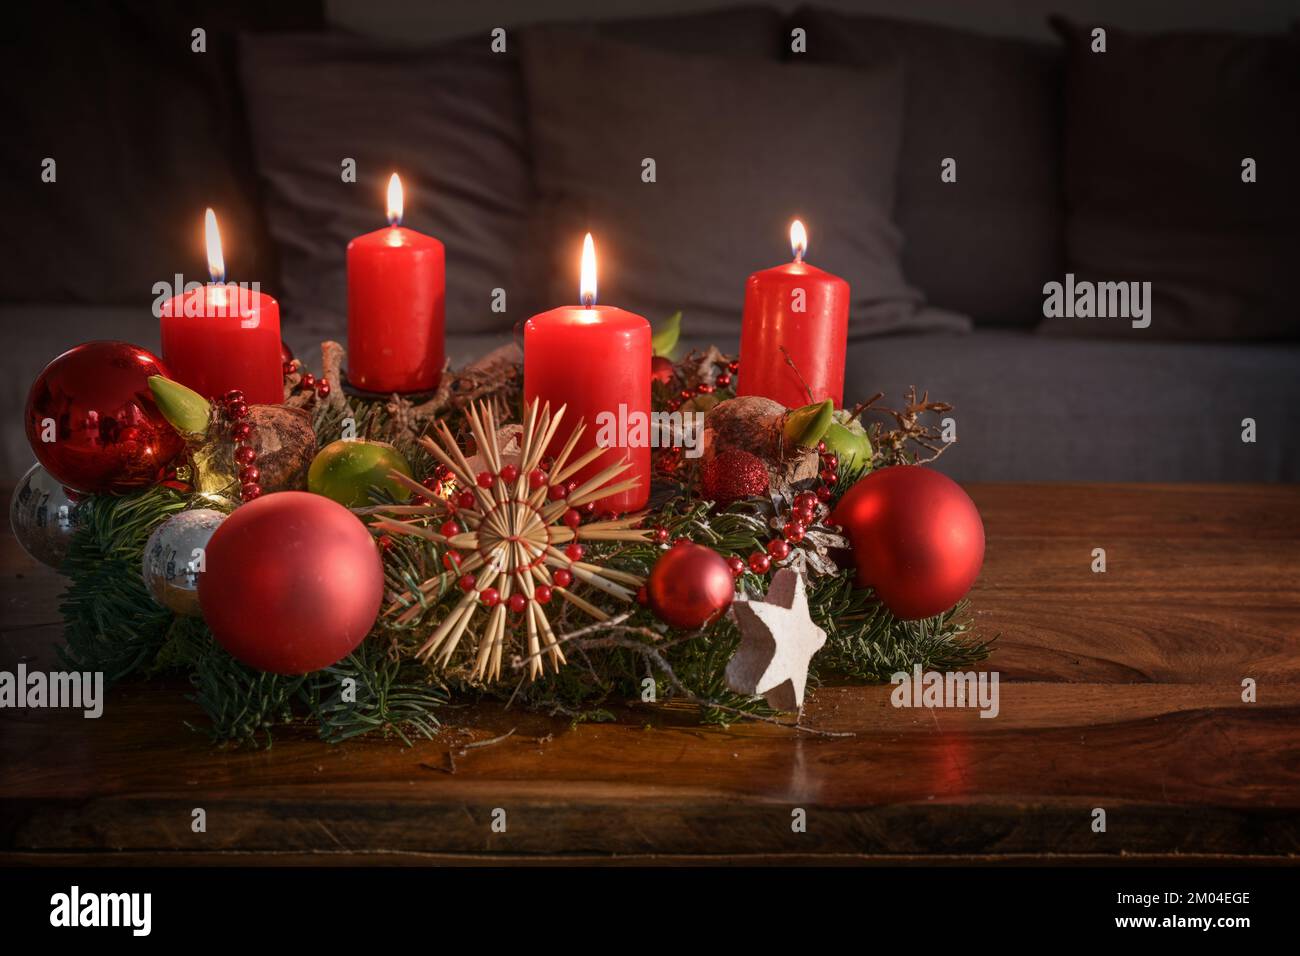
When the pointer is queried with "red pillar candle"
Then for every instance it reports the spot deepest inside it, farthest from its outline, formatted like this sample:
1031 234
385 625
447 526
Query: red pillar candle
595 361
794 313
397 290
223 336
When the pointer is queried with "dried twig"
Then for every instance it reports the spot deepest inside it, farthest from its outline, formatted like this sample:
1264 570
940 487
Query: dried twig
490 742
891 445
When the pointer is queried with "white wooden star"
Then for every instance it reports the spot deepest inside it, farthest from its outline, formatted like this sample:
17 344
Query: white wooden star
777 640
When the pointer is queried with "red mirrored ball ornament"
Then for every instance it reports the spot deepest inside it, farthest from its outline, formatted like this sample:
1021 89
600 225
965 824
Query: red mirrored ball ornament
916 536
690 586
292 582
92 421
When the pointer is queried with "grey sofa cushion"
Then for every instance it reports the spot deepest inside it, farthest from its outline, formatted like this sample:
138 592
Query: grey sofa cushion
740 146
985 244
448 119
1035 407
1157 128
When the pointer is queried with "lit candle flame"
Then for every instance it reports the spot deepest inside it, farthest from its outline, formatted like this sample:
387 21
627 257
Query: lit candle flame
216 262
394 201
798 240
587 282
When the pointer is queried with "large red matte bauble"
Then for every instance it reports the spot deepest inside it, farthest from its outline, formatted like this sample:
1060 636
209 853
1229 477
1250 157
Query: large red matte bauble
690 585
917 539
292 582
109 436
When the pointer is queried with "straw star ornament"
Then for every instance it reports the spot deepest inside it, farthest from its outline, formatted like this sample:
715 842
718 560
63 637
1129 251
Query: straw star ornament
518 545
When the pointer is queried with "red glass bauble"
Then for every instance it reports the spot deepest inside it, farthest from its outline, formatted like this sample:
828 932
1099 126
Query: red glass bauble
917 539
94 401
733 475
292 583
690 585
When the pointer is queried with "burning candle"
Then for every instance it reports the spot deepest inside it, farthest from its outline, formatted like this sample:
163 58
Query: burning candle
223 336
795 331
397 290
595 361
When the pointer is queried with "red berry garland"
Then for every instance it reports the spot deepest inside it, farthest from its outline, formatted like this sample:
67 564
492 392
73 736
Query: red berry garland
233 419
306 381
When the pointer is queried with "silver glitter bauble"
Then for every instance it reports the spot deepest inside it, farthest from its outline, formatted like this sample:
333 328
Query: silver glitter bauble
42 516
173 559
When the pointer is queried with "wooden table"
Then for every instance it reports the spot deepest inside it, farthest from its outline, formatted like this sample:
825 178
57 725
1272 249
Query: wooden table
1120 691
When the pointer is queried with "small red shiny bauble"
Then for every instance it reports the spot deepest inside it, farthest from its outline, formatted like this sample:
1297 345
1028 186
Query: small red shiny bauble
292 583
690 585
733 475
108 435
917 539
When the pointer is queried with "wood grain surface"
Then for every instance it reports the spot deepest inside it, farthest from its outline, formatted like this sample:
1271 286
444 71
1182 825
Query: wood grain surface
1119 691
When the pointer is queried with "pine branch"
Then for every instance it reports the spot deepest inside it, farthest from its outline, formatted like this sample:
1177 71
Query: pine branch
242 704
111 624
385 695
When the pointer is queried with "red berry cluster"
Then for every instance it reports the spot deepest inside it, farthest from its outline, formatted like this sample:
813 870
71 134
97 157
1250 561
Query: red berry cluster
234 418
308 382
439 485
830 471
802 514
704 388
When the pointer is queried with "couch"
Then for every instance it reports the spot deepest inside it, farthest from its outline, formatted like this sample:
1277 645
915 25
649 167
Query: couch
951 281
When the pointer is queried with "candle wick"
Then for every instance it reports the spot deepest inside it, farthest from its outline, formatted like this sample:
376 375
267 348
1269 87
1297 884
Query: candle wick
588 300
798 255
